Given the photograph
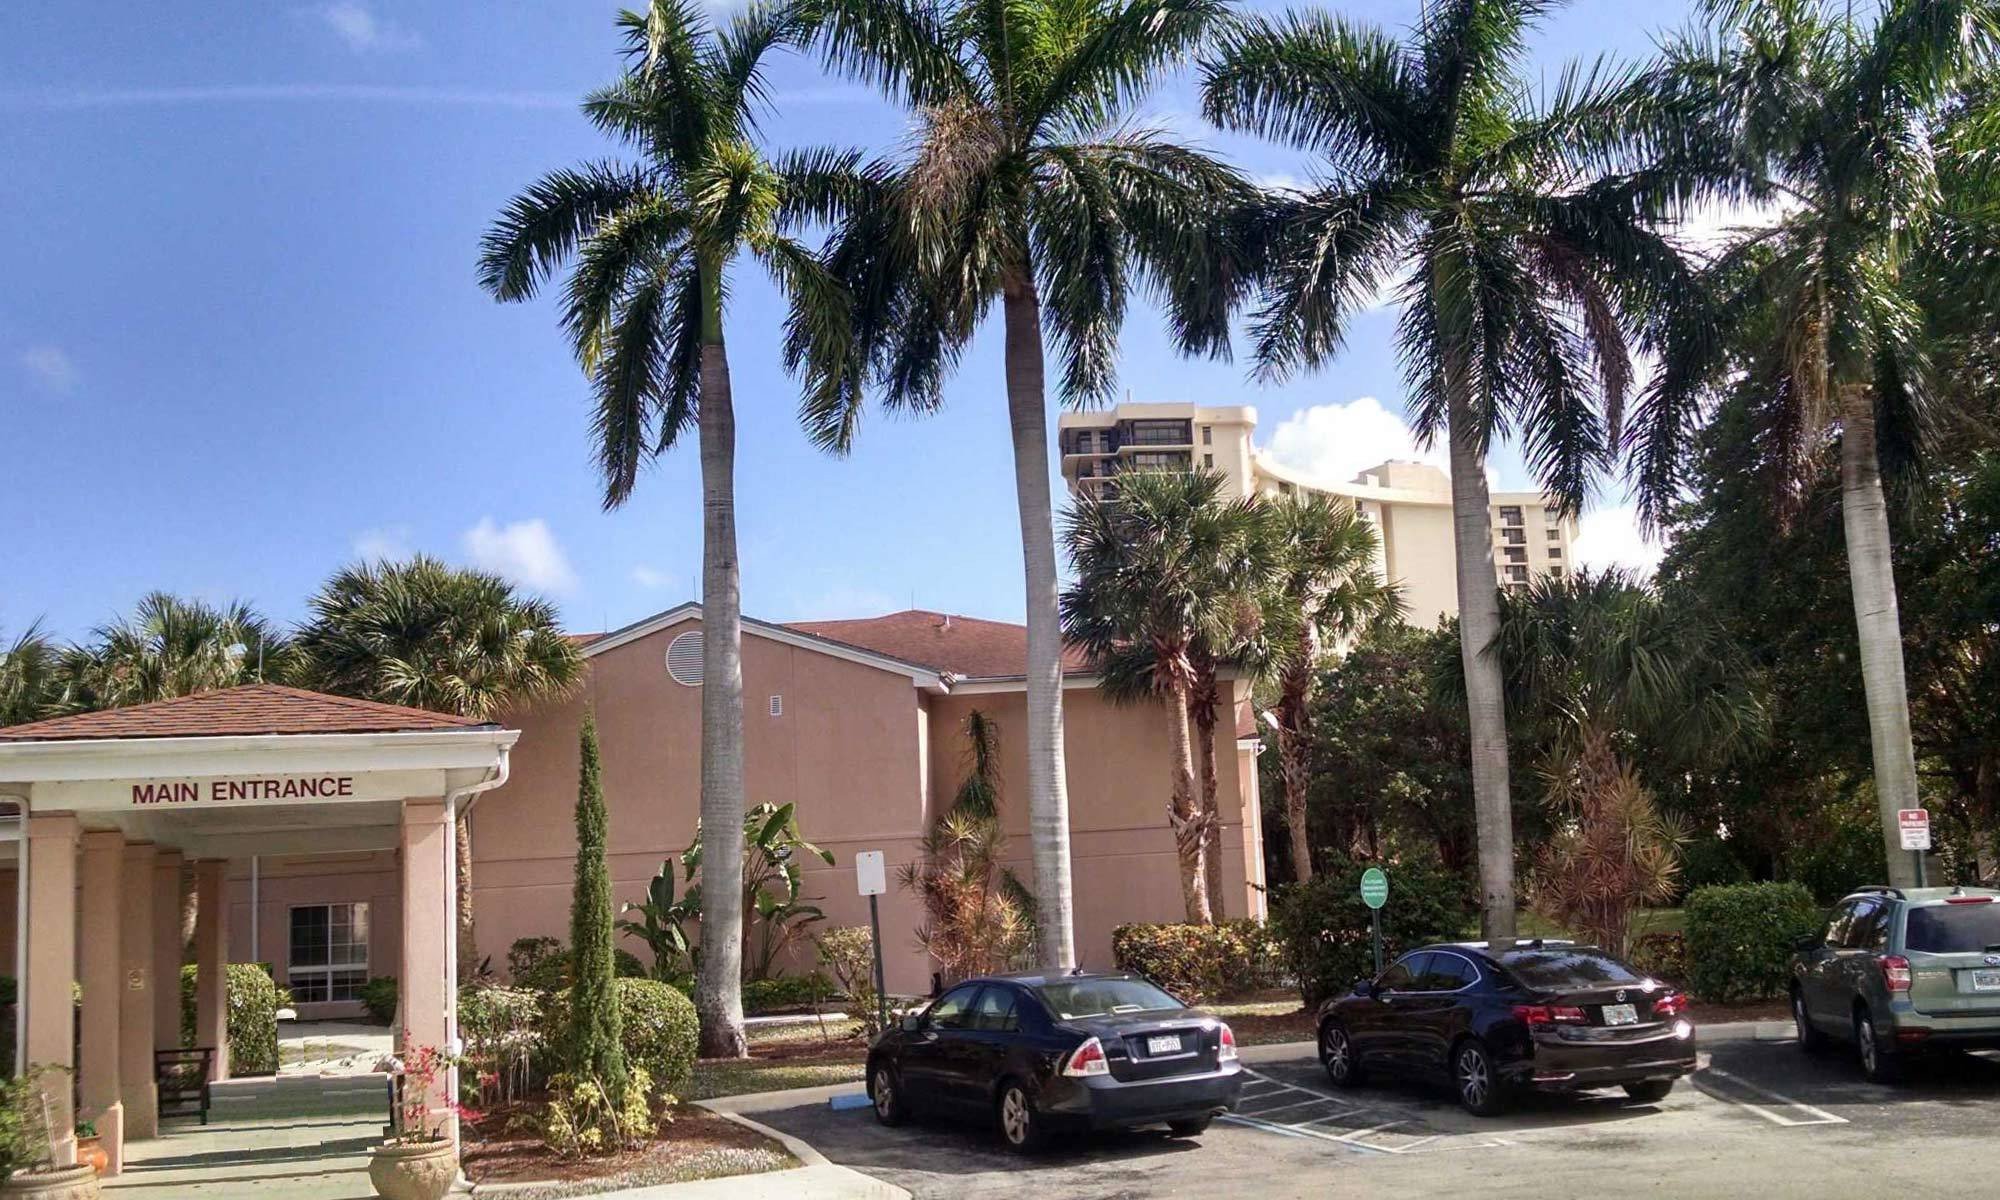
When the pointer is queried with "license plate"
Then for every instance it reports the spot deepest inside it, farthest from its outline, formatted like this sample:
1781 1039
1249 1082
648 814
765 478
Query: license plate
1168 1044
1621 1014
1986 981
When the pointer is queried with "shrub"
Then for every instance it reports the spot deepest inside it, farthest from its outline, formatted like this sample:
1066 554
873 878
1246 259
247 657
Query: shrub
660 1031
502 1031
1323 926
593 1048
850 954
1740 938
527 955
252 1019
1199 963
586 1116
786 991
1845 853
1663 955
378 995
547 967
1711 862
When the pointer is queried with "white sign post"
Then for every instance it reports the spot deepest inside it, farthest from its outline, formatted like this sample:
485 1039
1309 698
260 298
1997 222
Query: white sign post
871 879
1915 826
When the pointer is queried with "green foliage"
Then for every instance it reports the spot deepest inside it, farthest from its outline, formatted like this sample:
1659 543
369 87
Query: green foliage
1201 963
530 955
1662 954
1324 927
251 1020
775 908
1842 851
1711 862
1740 938
379 997
587 1116
504 1042
592 1045
31 682
657 1022
784 992
546 968
25 1136
663 924
849 954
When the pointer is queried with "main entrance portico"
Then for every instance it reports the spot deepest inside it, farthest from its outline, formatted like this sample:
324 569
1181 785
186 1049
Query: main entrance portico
111 804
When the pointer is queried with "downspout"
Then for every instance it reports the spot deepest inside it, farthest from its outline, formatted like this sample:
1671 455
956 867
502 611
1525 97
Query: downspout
256 903
469 795
20 839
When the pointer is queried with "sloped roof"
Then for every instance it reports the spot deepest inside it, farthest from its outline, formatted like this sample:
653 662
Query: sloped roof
970 647
258 708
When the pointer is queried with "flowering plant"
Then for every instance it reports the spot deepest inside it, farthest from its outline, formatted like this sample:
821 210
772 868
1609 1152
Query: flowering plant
421 1070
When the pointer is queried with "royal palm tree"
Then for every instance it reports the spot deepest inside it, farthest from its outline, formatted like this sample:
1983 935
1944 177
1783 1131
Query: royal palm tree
1163 564
444 638
1523 264
1324 591
1828 118
652 244
172 646
31 684
1025 186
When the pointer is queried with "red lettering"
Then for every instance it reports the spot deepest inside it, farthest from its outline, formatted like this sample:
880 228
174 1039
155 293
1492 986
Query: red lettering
347 785
144 793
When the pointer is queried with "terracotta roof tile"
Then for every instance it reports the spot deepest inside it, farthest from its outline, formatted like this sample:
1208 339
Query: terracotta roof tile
257 708
965 646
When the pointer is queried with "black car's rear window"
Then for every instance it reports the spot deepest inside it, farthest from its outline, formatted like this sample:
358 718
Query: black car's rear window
1557 970
1103 997
1953 928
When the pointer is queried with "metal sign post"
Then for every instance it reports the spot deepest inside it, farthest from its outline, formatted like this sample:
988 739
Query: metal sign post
871 877
1915 826
1375 893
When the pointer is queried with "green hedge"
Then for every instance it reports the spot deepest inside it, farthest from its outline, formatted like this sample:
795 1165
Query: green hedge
787 991
1740 938
660 1031
378 995
252 1019
1323 926
542 964
1199 963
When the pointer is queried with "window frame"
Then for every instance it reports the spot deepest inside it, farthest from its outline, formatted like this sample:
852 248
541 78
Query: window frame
301 975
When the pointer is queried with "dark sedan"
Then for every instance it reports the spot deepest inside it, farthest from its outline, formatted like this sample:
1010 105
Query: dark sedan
1037 1053
1546 1015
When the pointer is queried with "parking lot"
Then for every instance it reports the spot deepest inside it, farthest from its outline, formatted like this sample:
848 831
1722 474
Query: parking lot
1759 1119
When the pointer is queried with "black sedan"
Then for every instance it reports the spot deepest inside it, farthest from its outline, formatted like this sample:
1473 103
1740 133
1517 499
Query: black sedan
1546 1015
1035 1053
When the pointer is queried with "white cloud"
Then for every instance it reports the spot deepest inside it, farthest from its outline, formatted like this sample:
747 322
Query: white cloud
523 551
357 25
1610 537
51 366
651 578
391 544
1336 442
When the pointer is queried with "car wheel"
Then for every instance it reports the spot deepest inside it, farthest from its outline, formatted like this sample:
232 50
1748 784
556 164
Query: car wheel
1473 1077
1194 1127
1811 1040
887 1092
1650 1091
1336 1054
1878 1062
1021 1125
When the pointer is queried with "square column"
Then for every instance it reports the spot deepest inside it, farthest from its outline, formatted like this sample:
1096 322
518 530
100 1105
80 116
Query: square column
211 956
167 950
135 1009
102 904
429 988
48 1014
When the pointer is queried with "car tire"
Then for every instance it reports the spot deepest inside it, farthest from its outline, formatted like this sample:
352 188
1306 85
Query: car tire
886 1091
1649 1091
1192 1127
1019 1121
1338 1058
1879 1060
1811 1040
1474 1080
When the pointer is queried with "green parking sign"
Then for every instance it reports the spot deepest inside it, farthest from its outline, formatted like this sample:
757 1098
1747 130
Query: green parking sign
1374 887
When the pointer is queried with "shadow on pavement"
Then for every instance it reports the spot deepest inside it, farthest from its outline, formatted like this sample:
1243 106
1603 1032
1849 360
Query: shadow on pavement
1832 1078
853 1138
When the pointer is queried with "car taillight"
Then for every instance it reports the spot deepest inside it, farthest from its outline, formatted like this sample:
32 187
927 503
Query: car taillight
1896 972
1673 1004
1550 1014
1227 1051
1968 899
1087 1059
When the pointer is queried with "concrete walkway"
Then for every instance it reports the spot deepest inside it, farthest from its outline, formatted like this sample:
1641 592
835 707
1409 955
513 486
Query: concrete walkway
320 1156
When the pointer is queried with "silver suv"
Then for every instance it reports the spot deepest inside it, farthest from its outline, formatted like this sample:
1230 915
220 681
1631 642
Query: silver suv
1899 971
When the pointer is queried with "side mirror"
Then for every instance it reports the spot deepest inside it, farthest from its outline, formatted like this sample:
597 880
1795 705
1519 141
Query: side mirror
1365 987
1807 943
912 1021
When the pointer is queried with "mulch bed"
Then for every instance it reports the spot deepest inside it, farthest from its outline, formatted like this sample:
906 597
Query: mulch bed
503 1148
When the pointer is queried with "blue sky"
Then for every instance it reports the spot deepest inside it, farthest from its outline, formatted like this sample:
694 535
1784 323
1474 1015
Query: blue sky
241 344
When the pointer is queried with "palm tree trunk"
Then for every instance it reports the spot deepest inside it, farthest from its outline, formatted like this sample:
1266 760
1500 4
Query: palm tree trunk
468 950
1206 702
1294 737
1048 789
1486 711
1865 519
719 989
1183 813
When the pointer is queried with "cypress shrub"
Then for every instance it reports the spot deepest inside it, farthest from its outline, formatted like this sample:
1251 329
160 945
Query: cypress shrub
594 1042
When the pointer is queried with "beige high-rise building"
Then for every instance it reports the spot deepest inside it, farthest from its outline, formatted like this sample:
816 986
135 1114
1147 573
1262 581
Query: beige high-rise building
1409 503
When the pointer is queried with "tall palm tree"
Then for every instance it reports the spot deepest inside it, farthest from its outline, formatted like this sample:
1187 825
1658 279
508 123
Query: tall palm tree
1828 117
444 638
1025 186
31 684
172 646
652 244
1325 590
1523 262
1165 564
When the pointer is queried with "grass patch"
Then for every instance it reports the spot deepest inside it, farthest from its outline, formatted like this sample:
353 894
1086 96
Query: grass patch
735 1077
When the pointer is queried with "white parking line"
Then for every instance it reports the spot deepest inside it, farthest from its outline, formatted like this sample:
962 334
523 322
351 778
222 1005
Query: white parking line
1814 1115
1352 1139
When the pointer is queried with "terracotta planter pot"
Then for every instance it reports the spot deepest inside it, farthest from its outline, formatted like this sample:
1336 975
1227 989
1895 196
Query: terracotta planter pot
90 1151
421 1172
68 1183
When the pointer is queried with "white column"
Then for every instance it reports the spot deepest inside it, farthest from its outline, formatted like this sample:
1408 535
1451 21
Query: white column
429 987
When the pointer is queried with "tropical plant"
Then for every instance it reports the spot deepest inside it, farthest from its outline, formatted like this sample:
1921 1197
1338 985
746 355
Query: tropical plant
171 647
593 1043
1828 118
773 887
428 635
31 685
1521 253
652 244
1161 566
1325 590
663 924
849 953
1025 186
974 923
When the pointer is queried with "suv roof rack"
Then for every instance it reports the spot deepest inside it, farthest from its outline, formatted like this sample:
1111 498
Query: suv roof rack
1878 889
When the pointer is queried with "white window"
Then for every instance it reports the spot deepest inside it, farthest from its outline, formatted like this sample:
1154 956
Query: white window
329 952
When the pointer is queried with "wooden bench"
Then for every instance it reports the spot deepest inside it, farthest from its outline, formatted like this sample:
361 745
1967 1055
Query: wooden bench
182 1076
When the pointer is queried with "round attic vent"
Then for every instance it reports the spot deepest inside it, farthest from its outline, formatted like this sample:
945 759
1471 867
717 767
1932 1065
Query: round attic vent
684 659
